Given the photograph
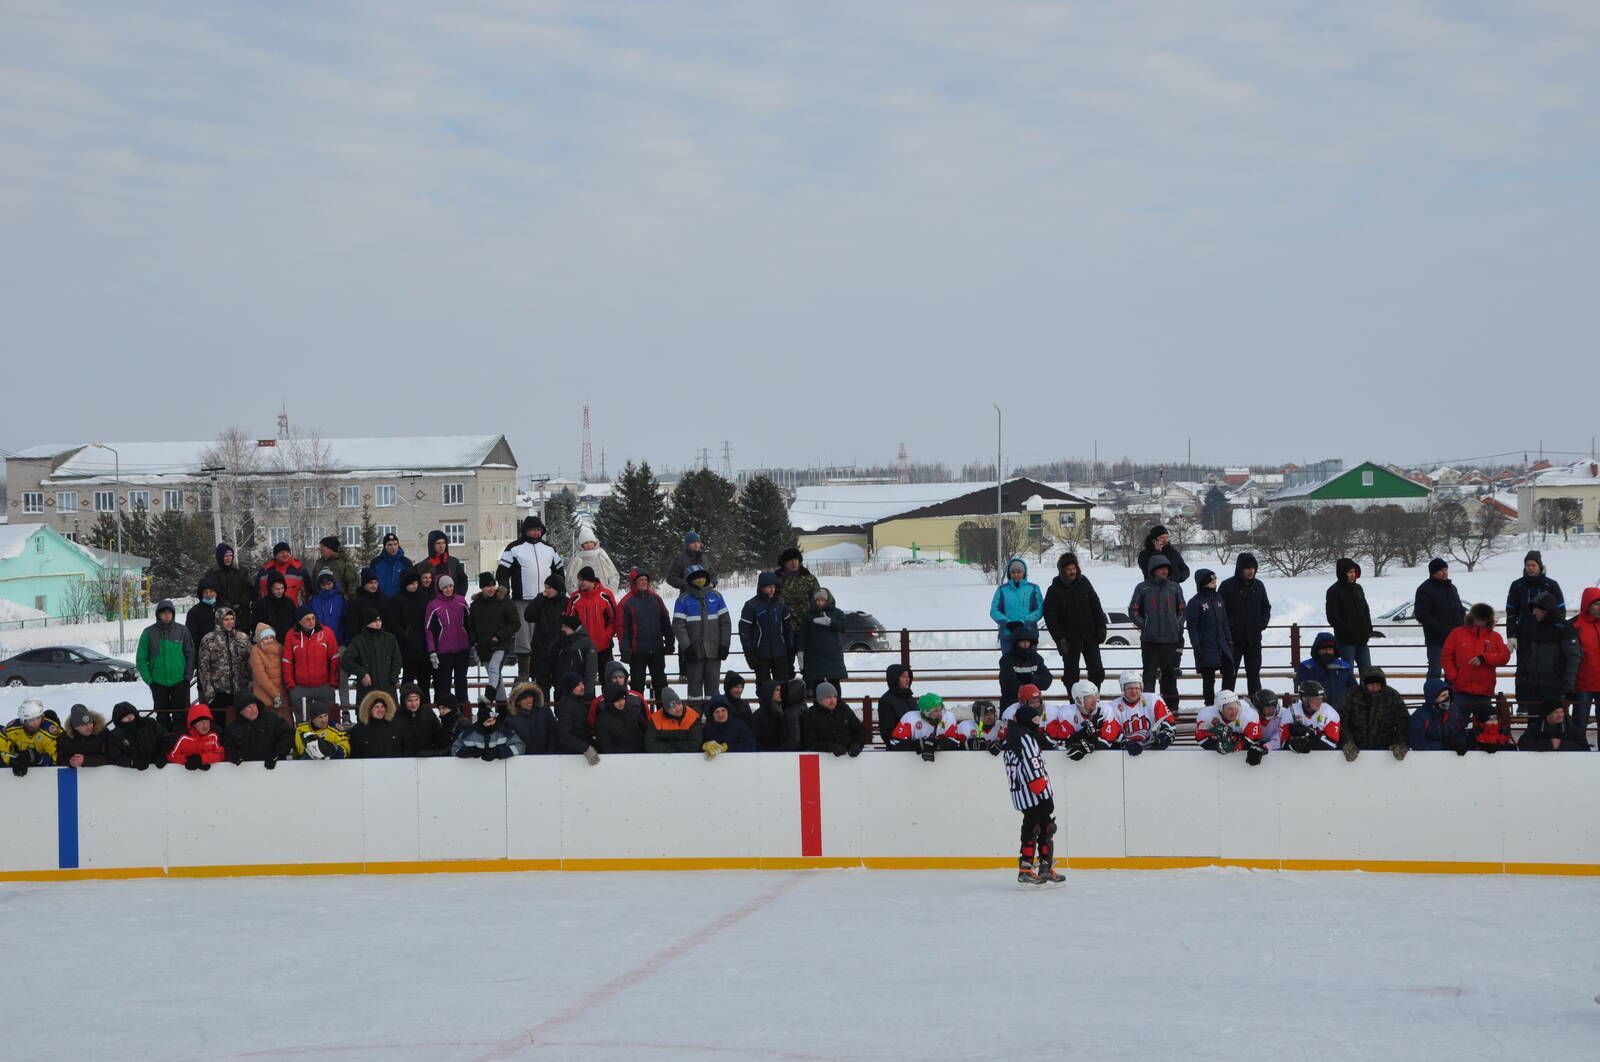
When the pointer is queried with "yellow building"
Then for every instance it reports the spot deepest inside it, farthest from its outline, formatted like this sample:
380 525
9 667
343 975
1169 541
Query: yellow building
1037 511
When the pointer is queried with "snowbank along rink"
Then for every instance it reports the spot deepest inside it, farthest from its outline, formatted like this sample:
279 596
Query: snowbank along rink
830 964
1520 813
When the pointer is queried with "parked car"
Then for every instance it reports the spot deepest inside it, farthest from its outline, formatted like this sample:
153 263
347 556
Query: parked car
64 663
1401 616
863 633
1120 630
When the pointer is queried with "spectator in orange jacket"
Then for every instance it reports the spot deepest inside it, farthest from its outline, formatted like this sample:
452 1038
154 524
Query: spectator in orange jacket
1471 653
199 747
310 660
592 603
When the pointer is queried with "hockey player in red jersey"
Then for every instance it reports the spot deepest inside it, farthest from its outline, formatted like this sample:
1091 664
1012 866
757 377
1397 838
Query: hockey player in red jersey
927 729
1031 794
1137 720
1229 726
1316 722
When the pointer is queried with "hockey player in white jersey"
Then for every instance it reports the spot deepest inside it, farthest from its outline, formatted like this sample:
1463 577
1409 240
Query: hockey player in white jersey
982 731
1137 720
1275 719
927 729
1075 725
1316 725
1229 726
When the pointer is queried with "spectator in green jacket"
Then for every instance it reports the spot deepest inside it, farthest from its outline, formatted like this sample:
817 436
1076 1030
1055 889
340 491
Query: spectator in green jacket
333 557
166 662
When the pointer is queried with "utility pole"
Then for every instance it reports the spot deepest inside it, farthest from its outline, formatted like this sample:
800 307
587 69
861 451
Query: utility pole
122 580
216 502
999 492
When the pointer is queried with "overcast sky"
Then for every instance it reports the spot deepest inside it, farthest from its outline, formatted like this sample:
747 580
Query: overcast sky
816 230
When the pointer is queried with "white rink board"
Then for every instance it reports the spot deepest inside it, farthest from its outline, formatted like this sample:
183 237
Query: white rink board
1433 810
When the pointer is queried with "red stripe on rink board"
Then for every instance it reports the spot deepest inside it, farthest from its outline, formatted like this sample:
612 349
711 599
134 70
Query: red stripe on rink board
810 806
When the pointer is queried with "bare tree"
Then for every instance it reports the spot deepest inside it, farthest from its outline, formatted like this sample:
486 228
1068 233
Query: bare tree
1335 527
1288 544
301 465
976 541
239 457
1221 543
1478 538
1377 536
1131 528
1183 529
1557 515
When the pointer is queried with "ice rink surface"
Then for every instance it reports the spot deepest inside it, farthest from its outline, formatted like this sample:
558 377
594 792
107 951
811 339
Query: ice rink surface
851 964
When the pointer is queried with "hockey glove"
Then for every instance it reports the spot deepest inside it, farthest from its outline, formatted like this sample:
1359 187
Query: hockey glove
18 766
994 748
1133 748
1254 756
925 749
1161 739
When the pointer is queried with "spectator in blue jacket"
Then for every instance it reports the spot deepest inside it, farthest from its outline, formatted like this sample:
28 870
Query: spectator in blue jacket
1015 601
766 636
1327 667
1209 633
1439 725
390 565
328 604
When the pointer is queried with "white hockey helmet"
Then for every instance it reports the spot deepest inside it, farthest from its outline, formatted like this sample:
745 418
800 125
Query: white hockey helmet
1132 678
1082 690
1227 697
31 709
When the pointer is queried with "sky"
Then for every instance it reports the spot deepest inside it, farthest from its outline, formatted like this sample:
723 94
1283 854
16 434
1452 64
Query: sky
1266 230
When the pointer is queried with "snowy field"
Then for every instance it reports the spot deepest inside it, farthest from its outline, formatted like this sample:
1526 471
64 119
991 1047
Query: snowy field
952 597
1201 964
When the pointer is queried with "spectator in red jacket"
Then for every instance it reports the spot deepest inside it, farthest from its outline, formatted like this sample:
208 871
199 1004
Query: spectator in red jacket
597 608
1587 624
294 576
310 661
199 747
1471 653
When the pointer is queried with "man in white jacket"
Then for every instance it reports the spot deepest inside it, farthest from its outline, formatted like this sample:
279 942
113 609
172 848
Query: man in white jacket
524 566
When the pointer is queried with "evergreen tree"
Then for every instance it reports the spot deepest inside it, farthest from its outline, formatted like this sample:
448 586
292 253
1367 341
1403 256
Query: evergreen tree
632 521
768 531
180 553
559 529
370 543
705 502
1216 514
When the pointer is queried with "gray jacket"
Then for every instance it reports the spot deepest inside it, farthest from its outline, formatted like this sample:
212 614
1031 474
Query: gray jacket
1157 607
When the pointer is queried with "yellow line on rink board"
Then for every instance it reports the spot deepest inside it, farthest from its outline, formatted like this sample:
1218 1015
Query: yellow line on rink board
513 866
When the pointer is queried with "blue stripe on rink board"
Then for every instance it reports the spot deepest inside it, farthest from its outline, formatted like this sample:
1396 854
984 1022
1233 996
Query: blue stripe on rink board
67 818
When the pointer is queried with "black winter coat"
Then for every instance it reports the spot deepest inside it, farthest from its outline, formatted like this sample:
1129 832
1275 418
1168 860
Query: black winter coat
823 644
544 614
1519 602
894 702
422 732
617 731
1438 608
268 735
1073 614
572 725
1547 662
1249 608
777 727
413 606
575 652
1375 720
1537 737
394 615
1018 667
234 588
681 565
378 739
838 730
1210 635
143 741
494 623
1180 570
1348 614
91 748
537 729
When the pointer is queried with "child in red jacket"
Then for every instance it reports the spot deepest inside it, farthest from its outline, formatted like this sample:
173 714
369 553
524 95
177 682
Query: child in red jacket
199 747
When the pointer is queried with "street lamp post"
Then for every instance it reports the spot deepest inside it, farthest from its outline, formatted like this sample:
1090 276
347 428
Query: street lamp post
999 495
122 582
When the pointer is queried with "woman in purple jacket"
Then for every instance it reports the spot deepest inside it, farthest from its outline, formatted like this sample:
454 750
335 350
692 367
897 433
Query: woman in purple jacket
449 637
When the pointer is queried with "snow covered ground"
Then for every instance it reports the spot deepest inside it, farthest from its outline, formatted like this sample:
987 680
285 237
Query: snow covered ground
952 597
1202 964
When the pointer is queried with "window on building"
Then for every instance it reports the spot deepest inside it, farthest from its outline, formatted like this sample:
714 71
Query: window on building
349 497
387 529
385 495
33 501
1366 478
278 498
70 536
204 494
350 534
39 601
276 535
139 501
455 494
455 534
66 501
314 535
172 501
105 501
38 543
313 497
